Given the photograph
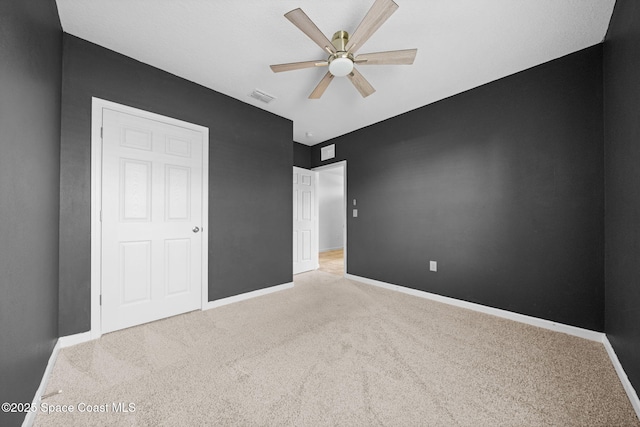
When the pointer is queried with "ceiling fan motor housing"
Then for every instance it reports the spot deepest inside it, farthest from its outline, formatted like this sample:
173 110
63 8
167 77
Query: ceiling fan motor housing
341 62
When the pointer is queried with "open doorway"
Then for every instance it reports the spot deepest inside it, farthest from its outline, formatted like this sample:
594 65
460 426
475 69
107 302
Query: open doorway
332 227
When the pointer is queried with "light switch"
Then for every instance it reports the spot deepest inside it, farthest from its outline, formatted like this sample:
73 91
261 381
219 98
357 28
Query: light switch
355 213
354 202
433 266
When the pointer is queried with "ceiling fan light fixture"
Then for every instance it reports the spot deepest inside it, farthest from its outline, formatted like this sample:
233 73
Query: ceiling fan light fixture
341 67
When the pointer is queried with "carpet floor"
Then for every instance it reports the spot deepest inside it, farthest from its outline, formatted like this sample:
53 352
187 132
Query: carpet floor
331 351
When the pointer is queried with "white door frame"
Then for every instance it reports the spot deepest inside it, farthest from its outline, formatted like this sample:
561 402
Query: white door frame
97 105
342 163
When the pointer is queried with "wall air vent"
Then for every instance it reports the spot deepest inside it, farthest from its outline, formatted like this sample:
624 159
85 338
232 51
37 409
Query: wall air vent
261 96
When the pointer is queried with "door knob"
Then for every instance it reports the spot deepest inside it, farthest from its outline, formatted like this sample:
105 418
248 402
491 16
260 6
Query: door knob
196 229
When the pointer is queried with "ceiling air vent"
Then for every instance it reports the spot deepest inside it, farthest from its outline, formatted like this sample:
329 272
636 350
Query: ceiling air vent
261 96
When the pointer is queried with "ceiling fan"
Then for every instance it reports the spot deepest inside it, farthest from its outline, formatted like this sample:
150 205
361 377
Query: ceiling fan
342 49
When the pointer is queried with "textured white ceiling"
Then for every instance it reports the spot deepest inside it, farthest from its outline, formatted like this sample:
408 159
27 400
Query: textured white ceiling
228 45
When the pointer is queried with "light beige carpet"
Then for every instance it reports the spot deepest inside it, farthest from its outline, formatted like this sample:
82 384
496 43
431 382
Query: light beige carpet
335 352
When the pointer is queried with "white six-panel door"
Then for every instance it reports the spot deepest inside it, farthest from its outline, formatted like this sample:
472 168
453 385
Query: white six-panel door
151 220
305 222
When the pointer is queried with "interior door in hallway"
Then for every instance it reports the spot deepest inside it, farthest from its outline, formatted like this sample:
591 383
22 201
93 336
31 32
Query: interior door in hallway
151 220
305 221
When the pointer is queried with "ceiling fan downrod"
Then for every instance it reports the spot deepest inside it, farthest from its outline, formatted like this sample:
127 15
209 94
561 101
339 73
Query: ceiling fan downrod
341 62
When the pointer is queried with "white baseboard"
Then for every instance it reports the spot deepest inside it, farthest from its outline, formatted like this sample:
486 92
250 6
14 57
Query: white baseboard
69 340
541 323
247 295
331 249
62 342
30 418
628 387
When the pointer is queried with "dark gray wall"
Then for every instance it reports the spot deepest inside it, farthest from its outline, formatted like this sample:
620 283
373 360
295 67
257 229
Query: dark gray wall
30 79
301 155
249 175
502 185
622 178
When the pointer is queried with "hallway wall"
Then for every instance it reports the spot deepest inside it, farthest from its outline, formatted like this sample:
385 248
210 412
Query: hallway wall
330 210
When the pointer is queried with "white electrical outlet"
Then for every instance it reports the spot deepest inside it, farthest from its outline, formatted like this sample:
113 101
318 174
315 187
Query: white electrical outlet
355 213
433 266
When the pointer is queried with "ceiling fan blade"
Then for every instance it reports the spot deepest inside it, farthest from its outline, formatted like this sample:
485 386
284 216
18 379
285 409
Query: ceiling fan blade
278 68
392 57
322 86
363 86
306 25
375 17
